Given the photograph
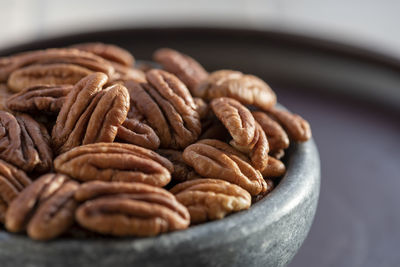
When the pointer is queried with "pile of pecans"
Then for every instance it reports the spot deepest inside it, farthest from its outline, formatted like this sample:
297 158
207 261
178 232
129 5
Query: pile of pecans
91 144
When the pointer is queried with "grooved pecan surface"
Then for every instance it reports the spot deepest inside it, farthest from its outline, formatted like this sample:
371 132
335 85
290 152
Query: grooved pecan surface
134 209
202 107
45 208
52 56
216 159
274 168
296 127
188 70
247 89
270 187
168 108
50 74
5 94
12 182
182 171
211 199
276 135
115 162
24 143
136 132
43 98
90 114
247 134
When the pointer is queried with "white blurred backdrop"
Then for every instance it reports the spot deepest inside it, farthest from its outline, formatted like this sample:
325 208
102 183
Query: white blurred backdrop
369 23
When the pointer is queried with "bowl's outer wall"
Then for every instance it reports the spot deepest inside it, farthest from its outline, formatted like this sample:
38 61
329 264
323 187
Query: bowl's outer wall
268 234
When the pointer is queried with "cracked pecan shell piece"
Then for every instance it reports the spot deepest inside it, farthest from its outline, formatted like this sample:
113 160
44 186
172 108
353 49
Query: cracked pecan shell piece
211 199
129 209
296 127
49 74
188 70
45 209
216 159
276 135
115 162
247 89
24 143
43 98
90 114
248 137
12 182
168 108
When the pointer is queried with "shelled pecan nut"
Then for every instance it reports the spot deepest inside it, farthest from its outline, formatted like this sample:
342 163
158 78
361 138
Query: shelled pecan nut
188 70
296 127
24 143
50 74
168 108
45 208
5 94
43 98
53 56
276 135
216 159
115 162
247 89
211 199
12 182
182 171
90 114
247 134
135 132
132 209
270 186
275 168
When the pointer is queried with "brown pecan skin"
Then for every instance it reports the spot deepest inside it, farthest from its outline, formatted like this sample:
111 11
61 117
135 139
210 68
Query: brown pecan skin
182 171
276 135
247 134
275 168
90 114
297 128
135 132
12 182
188 70
5 94
45 208
115 162
168 108
211 199
247 89
24 143
43 98
50 74
129 209
215 159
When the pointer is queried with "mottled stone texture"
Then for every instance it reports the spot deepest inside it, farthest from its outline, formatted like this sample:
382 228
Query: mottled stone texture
268 234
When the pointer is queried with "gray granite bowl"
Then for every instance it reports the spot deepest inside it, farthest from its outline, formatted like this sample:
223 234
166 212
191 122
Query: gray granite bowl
268 234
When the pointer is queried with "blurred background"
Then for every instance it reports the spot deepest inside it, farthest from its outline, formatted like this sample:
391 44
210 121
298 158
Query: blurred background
357 222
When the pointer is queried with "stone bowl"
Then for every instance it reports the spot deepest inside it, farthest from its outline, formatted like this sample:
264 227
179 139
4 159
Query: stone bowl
268 234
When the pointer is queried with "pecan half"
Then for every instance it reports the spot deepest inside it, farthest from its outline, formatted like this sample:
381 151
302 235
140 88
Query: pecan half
109 52
50 74
115 162
247 134
4 96
211 199
52 56
136 132
24 143
45 208
275 168
201 107
182 171
90 114
216 159
296 127
188 70
43 98
168 108
133 209
270 186
247 89
276 135
12 182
